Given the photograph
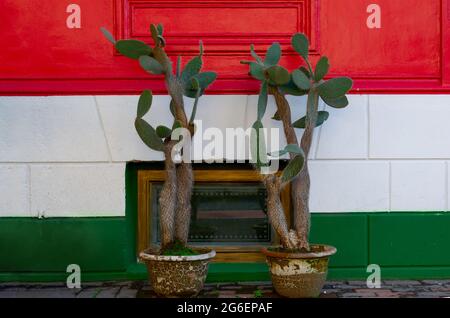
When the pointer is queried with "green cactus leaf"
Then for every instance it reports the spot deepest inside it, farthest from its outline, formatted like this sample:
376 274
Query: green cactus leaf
305 71
278 75
160 29
144 104
273 55
176 124
204 79
151 65
108 35
258 145
322 68
255 55
191 92
294 167
276 116
201 49
322 116
340 102
163 131
257 71
195 83
300 44
292 148
335 88
133 48
301 80
262 100
154 32
291 89
192 68
148 135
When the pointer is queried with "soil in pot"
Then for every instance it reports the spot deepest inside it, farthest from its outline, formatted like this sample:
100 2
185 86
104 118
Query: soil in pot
177 276
297 274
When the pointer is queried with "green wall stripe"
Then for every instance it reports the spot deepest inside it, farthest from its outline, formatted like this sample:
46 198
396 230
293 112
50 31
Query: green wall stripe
40 250
96 244
347 232
410 239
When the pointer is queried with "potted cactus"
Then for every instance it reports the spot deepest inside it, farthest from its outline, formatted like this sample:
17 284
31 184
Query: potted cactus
298 268
175 269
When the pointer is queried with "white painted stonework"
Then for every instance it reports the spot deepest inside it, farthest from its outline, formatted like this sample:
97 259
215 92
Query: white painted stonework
59 190
419 185
349 185
65 156
51 129
14 190
345 134
409 127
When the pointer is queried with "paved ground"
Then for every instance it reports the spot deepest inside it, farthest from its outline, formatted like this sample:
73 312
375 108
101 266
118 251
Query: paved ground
333 289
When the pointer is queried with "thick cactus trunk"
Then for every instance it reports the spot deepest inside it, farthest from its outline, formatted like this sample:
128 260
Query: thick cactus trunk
302 183
184 174
302 219
300 186
167 198
275 212
185 184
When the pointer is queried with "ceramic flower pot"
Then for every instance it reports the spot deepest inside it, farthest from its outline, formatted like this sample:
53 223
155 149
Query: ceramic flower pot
177 276
299 275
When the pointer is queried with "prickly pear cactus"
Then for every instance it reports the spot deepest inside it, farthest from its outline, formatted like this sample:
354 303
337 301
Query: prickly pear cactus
279 82
189 81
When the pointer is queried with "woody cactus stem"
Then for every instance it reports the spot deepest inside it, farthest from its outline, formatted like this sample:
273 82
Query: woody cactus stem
275 212
175 197
183 178
183 213
167 198
300 185
184 175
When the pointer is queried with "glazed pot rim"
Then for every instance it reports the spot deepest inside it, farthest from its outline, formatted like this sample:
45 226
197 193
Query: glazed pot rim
328 250
151 255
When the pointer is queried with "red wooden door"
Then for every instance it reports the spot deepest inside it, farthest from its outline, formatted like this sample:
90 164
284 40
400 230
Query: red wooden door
406 49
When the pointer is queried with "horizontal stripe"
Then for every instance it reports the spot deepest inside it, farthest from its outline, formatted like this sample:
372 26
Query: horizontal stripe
401 160
104 248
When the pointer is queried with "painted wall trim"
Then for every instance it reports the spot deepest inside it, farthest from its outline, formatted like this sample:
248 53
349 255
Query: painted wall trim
40 250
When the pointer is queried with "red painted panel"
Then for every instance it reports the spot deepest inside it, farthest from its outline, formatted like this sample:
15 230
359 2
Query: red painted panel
410 52
224 27
446 43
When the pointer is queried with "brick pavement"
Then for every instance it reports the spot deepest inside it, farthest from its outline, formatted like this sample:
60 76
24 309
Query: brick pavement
141 289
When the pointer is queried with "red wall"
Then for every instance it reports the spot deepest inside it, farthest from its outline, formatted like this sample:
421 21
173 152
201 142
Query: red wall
41 55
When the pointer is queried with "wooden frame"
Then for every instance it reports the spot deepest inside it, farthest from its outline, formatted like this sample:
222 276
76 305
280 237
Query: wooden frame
237 254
